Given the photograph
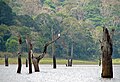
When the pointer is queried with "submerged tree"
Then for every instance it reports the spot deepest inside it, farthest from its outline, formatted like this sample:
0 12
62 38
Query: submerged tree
107 49
28 41
19 55
36 60
6 60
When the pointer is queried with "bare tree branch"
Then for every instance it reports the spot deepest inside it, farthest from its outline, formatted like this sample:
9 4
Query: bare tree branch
45 48
100 41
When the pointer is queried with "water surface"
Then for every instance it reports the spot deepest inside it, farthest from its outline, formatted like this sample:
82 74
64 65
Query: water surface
76 73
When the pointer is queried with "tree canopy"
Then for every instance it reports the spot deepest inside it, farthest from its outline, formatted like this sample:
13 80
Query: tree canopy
79 22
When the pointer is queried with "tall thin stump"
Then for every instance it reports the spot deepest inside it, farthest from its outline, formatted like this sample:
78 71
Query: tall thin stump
107 49
6 60
19 55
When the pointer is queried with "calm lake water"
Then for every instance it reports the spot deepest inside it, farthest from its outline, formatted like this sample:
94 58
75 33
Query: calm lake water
76 73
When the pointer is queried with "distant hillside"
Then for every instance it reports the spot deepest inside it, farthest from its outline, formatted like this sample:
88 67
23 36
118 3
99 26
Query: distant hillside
30 7
79 22
34 7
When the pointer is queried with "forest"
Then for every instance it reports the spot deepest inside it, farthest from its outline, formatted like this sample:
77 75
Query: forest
80 23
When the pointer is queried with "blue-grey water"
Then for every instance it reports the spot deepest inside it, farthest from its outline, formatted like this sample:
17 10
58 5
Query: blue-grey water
76 73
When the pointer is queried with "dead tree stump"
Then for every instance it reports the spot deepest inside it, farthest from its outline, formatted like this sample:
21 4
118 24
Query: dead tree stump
35 64
29 44
19 55
26 62
107 49
30 64
6 60
19 64
99 62
54 62
69 63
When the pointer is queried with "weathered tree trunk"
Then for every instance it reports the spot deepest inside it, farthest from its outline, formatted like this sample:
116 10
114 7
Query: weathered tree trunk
35 64
26 62
107 49
29 44
6 60
53 51
30 64
36 60
99 61
19 56
69 62
54 62
19 64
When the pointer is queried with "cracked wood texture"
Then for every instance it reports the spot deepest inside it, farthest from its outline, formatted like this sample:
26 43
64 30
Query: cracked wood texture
107 49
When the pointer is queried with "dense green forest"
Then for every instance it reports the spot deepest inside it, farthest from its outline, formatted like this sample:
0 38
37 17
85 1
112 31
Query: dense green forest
79 22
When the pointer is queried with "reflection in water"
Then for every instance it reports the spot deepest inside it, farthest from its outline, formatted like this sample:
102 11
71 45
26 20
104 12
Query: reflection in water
77 73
